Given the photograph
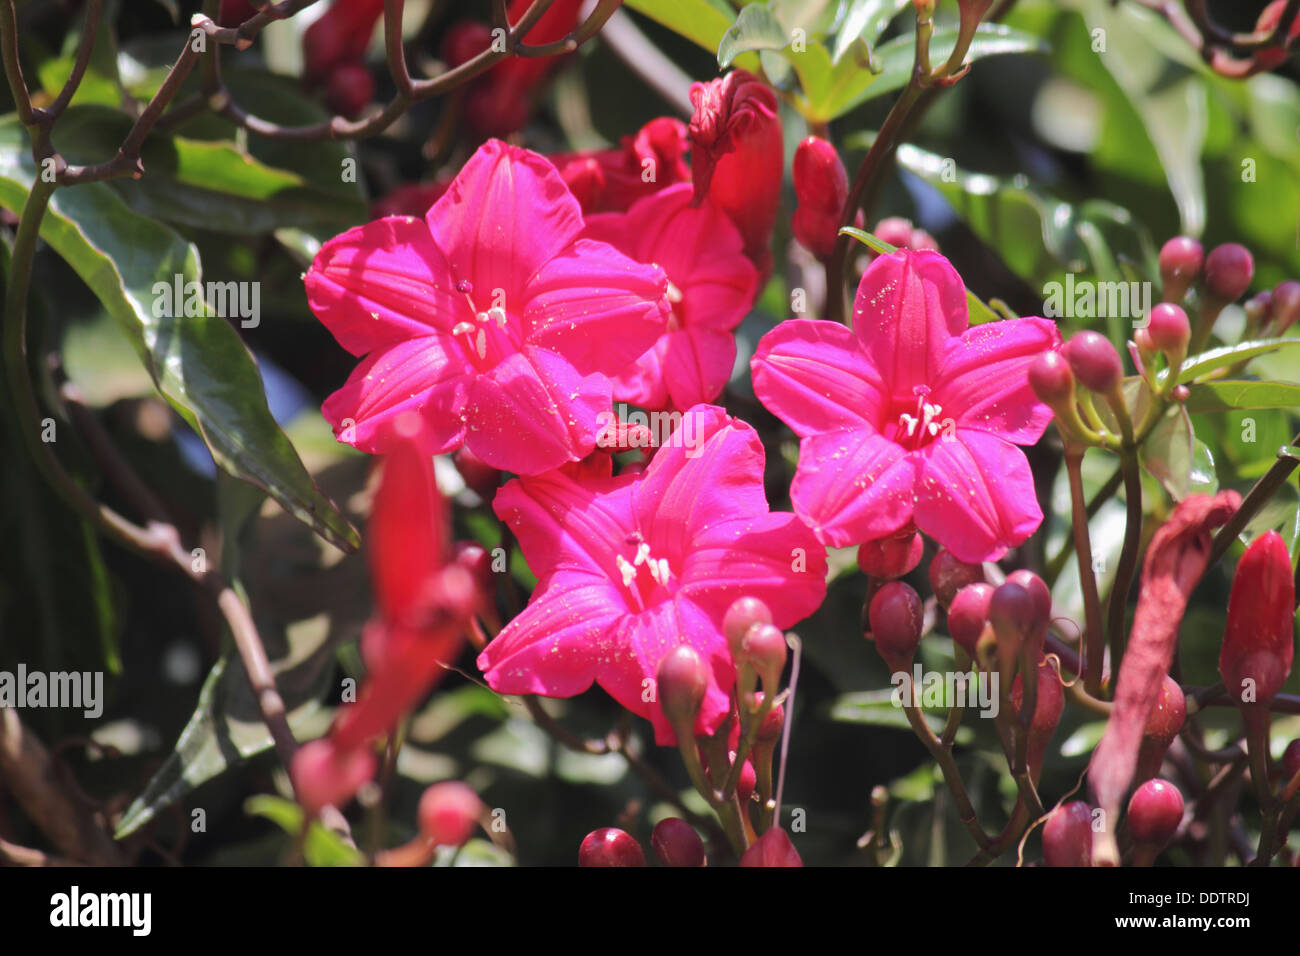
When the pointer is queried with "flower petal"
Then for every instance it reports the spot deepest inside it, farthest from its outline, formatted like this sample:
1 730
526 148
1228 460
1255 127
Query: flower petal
383 282
413 375
596 307
909 305
710 471
556 645
505 215
852 485
976 496
815 377
534 412
697 363
407 533
983 380
774 557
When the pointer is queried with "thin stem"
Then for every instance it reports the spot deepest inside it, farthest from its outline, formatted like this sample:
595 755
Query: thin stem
951 774
1255 499
1093 637
1128 556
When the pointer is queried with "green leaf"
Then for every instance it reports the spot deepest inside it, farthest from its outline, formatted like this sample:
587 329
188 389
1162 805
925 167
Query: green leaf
1225 396
979 312
877 708
101 82
198 362
757 28
321 848
697 20
1214 359
1167 453
865 20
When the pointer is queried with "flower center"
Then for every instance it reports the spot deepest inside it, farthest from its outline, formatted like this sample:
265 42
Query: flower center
488 337
646 578
921 423
676 318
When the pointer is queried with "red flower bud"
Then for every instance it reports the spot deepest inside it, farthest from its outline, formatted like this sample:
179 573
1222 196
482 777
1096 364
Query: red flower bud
968 614
1169 330
1037 589
1228 271
740 617
1259 643
323 775
821 185
1154 812
895 615
340 35
232 13
891 557
610 846
676 843
1013 612
412 199
765 649
1285 305
896 231
478 475
1049 704
465 40
448 813
1067 835
349 89
770 729
682 680
1051 379
948 575
1181 259
773 848
1291 759
1162 726
1094 361
737 156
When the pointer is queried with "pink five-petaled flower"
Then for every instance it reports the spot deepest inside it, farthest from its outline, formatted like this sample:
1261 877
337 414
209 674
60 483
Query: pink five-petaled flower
629 567
711 285
490 316
910 416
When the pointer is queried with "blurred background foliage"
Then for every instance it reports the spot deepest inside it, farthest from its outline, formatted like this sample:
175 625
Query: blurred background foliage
1086 133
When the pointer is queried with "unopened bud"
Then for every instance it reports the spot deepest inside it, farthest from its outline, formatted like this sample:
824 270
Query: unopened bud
1181 259
676 843
682 680
743 614
1259 641
1051 379
1286 306
895 615
892 557
1169 331
1162 726
1228 271
1094 361
448 813
968 614
948 575
1154 812
765 649
773 848
1067 835
610 846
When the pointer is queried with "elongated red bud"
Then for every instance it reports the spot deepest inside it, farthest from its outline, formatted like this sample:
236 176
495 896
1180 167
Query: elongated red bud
765 649
1259 642
1013 613
681 681
449 812
1154 812
1181 259
1042 596
1049 704
1051 379
465 40
773 848
1291 759
948 575
1228 271
1094 361
1163 724
892 557
770 729
740 617
1169 330
325 775
1067 835
895 615
968 614
610 846
821 184
676 843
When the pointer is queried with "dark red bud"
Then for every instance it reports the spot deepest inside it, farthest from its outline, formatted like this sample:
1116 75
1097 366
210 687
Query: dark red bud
1051 379
895 615
1181 259
1259 642
1291 759
1013 612
948 575
773 848
1154 812
1169 329
1228 271
1037 589
1094 361
1162 726
1286 305
770 729
1049 704
1067 835
743 613
895 230
820 179
349 89
682 680
479 476
968 614
676 843
465 40
449 812
891 557
610 846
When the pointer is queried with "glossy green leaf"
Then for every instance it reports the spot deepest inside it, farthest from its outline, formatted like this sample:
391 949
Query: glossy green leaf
757 28
699 21
865 20
321 848
1201 365
1225 396
198 362
1168 451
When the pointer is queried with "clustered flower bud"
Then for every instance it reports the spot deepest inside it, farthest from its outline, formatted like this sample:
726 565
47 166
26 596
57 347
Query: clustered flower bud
681 681
765 650
1181 259
1162 726
968 614
1049 705
1154 812
821 185
1285 306
610 846
448 813
1013 612
676 843
1228 271
1259 641
333 48
773 848
1094 362
895 615
891 557
1067 835
948 575
1168 331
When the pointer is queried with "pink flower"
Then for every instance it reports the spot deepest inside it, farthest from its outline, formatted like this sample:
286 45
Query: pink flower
610 180
910 416
737 156
630 567
711 287
490 316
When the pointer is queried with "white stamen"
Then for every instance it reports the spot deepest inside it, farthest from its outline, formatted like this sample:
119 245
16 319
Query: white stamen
626 569
480 344
642 553
463 328
481 317
498 315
